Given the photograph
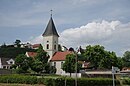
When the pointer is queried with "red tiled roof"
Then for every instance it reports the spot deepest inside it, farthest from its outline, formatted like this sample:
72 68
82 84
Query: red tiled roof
60 56
36 45
31 54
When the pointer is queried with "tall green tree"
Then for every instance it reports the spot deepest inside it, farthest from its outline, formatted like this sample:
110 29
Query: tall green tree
17 42
126 59
70 64
37 66
40 60
100 58
22 63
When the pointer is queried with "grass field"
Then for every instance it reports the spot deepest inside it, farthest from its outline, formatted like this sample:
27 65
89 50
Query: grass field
4 84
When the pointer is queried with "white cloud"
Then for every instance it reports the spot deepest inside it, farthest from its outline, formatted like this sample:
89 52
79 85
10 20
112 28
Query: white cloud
114 36
91 32
35 40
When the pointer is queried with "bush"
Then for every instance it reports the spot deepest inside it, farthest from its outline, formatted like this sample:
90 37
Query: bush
18 79
126 81
58 81
81 81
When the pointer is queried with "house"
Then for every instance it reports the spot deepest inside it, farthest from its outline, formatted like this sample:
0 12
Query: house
27 45
6 63
58 59
125 70
35 46
31 54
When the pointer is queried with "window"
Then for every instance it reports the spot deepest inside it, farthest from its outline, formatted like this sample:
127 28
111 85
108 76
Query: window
55 47
11 62
4 67
54 64
47 46
61 64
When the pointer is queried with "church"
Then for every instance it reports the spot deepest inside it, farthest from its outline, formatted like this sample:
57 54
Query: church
50 44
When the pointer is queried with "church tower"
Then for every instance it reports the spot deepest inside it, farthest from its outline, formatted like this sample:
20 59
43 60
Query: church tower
50 38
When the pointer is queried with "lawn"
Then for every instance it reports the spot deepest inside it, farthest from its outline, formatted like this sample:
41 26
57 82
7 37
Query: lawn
4 84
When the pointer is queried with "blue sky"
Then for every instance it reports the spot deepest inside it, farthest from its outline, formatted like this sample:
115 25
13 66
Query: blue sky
79 22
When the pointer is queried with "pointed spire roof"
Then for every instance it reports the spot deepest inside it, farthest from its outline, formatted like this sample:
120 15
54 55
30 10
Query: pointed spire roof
50 29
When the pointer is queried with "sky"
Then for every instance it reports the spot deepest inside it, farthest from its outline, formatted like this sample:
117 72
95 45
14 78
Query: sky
78 22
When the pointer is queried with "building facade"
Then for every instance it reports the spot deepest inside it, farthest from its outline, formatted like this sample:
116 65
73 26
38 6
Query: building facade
6 63
50 38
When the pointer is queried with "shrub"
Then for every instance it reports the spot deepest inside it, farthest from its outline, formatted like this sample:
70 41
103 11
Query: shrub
126 81
81 81
58 81
18 79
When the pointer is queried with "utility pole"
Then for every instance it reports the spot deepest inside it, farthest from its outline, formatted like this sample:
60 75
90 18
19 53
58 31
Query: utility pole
113 71
76 69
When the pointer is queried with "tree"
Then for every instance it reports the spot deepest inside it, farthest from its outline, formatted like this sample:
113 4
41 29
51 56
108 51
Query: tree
17 42
126 59
37 66
3 46
40 60
50 69
69 65
13 52
22 63
100 58
42 55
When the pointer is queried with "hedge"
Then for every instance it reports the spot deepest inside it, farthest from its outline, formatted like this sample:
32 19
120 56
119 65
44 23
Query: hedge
81 82
48 81
18 79
126 81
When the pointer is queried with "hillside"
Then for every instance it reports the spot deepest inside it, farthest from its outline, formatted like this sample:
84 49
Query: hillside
12 52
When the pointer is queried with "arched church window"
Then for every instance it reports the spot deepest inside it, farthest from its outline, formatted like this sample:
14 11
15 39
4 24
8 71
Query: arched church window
47 46
55 47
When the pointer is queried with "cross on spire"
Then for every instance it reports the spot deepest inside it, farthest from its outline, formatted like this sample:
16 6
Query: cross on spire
51 12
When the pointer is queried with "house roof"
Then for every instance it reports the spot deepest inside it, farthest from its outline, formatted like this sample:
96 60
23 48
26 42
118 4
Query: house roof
50 29
35 45
4 61
31 54
60 56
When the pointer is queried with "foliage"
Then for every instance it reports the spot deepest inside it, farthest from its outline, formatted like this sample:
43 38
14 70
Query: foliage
12 52
22 63
17 43
40 60
50 69
70 64
81 81
18 79
37 66
126 81
100 58
42 55
126 59
26 79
